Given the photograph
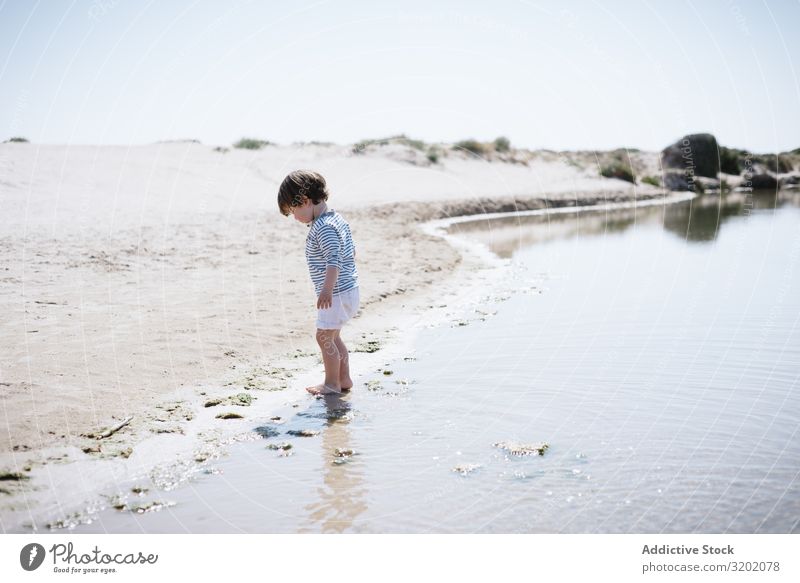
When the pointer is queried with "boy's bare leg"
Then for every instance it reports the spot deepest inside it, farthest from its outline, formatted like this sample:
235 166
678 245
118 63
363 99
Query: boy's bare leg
331 359
344 365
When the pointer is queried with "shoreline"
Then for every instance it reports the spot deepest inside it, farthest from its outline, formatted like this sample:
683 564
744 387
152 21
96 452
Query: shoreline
176 456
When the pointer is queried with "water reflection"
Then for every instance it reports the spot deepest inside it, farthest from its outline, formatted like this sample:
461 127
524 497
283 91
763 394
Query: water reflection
341 494
697 220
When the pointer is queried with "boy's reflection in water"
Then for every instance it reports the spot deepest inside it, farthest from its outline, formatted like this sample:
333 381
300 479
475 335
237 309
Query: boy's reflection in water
341 494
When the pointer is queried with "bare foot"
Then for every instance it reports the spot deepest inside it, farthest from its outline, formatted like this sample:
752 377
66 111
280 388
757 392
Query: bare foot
323 389
347 384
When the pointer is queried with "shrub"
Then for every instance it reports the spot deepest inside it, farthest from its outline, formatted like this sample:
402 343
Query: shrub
251 144
359 147
773 163
729 160
502 144
619 171
17 139
473 146
433 155
651 180
416 144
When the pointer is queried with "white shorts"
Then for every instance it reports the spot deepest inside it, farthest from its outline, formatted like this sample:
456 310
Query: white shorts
343 307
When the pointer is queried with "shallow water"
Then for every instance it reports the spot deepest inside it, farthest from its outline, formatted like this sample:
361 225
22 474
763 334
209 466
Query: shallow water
656 352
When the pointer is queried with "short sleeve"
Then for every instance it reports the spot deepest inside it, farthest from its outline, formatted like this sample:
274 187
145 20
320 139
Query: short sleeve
331 245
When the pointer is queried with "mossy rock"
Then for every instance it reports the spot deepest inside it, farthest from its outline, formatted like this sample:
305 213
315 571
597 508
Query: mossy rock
522 449
283 446
242 399
368 346
13 477
303 432
229 415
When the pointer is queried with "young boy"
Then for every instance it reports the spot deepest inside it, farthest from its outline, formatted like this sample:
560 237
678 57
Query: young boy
330 254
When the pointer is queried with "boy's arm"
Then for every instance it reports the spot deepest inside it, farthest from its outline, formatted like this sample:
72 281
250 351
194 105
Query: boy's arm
325 298
331 248
331 275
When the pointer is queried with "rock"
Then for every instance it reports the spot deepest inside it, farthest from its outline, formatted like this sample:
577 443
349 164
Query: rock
522 449
242 399
302 432
790 181
13 477
368 346
343 455
676 181
212 402
229 416
266 431
760 181
694 155
707 184
283 446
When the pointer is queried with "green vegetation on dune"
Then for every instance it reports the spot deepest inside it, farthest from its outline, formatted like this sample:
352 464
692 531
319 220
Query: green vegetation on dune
251 144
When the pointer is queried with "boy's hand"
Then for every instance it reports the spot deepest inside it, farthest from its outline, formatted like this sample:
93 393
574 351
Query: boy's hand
325 299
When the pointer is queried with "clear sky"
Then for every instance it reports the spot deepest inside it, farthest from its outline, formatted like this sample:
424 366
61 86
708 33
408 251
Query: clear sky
562 75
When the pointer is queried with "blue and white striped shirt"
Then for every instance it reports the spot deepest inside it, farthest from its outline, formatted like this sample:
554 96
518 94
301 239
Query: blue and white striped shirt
329 242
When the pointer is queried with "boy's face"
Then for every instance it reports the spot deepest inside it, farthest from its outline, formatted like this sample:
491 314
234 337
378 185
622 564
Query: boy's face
305 212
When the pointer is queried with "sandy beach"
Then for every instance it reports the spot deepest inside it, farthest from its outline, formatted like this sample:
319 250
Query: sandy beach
141 283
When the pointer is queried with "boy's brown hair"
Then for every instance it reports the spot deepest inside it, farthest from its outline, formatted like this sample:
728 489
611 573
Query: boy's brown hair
299 185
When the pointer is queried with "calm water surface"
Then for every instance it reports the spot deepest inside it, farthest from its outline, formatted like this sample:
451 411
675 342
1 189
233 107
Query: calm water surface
656 352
